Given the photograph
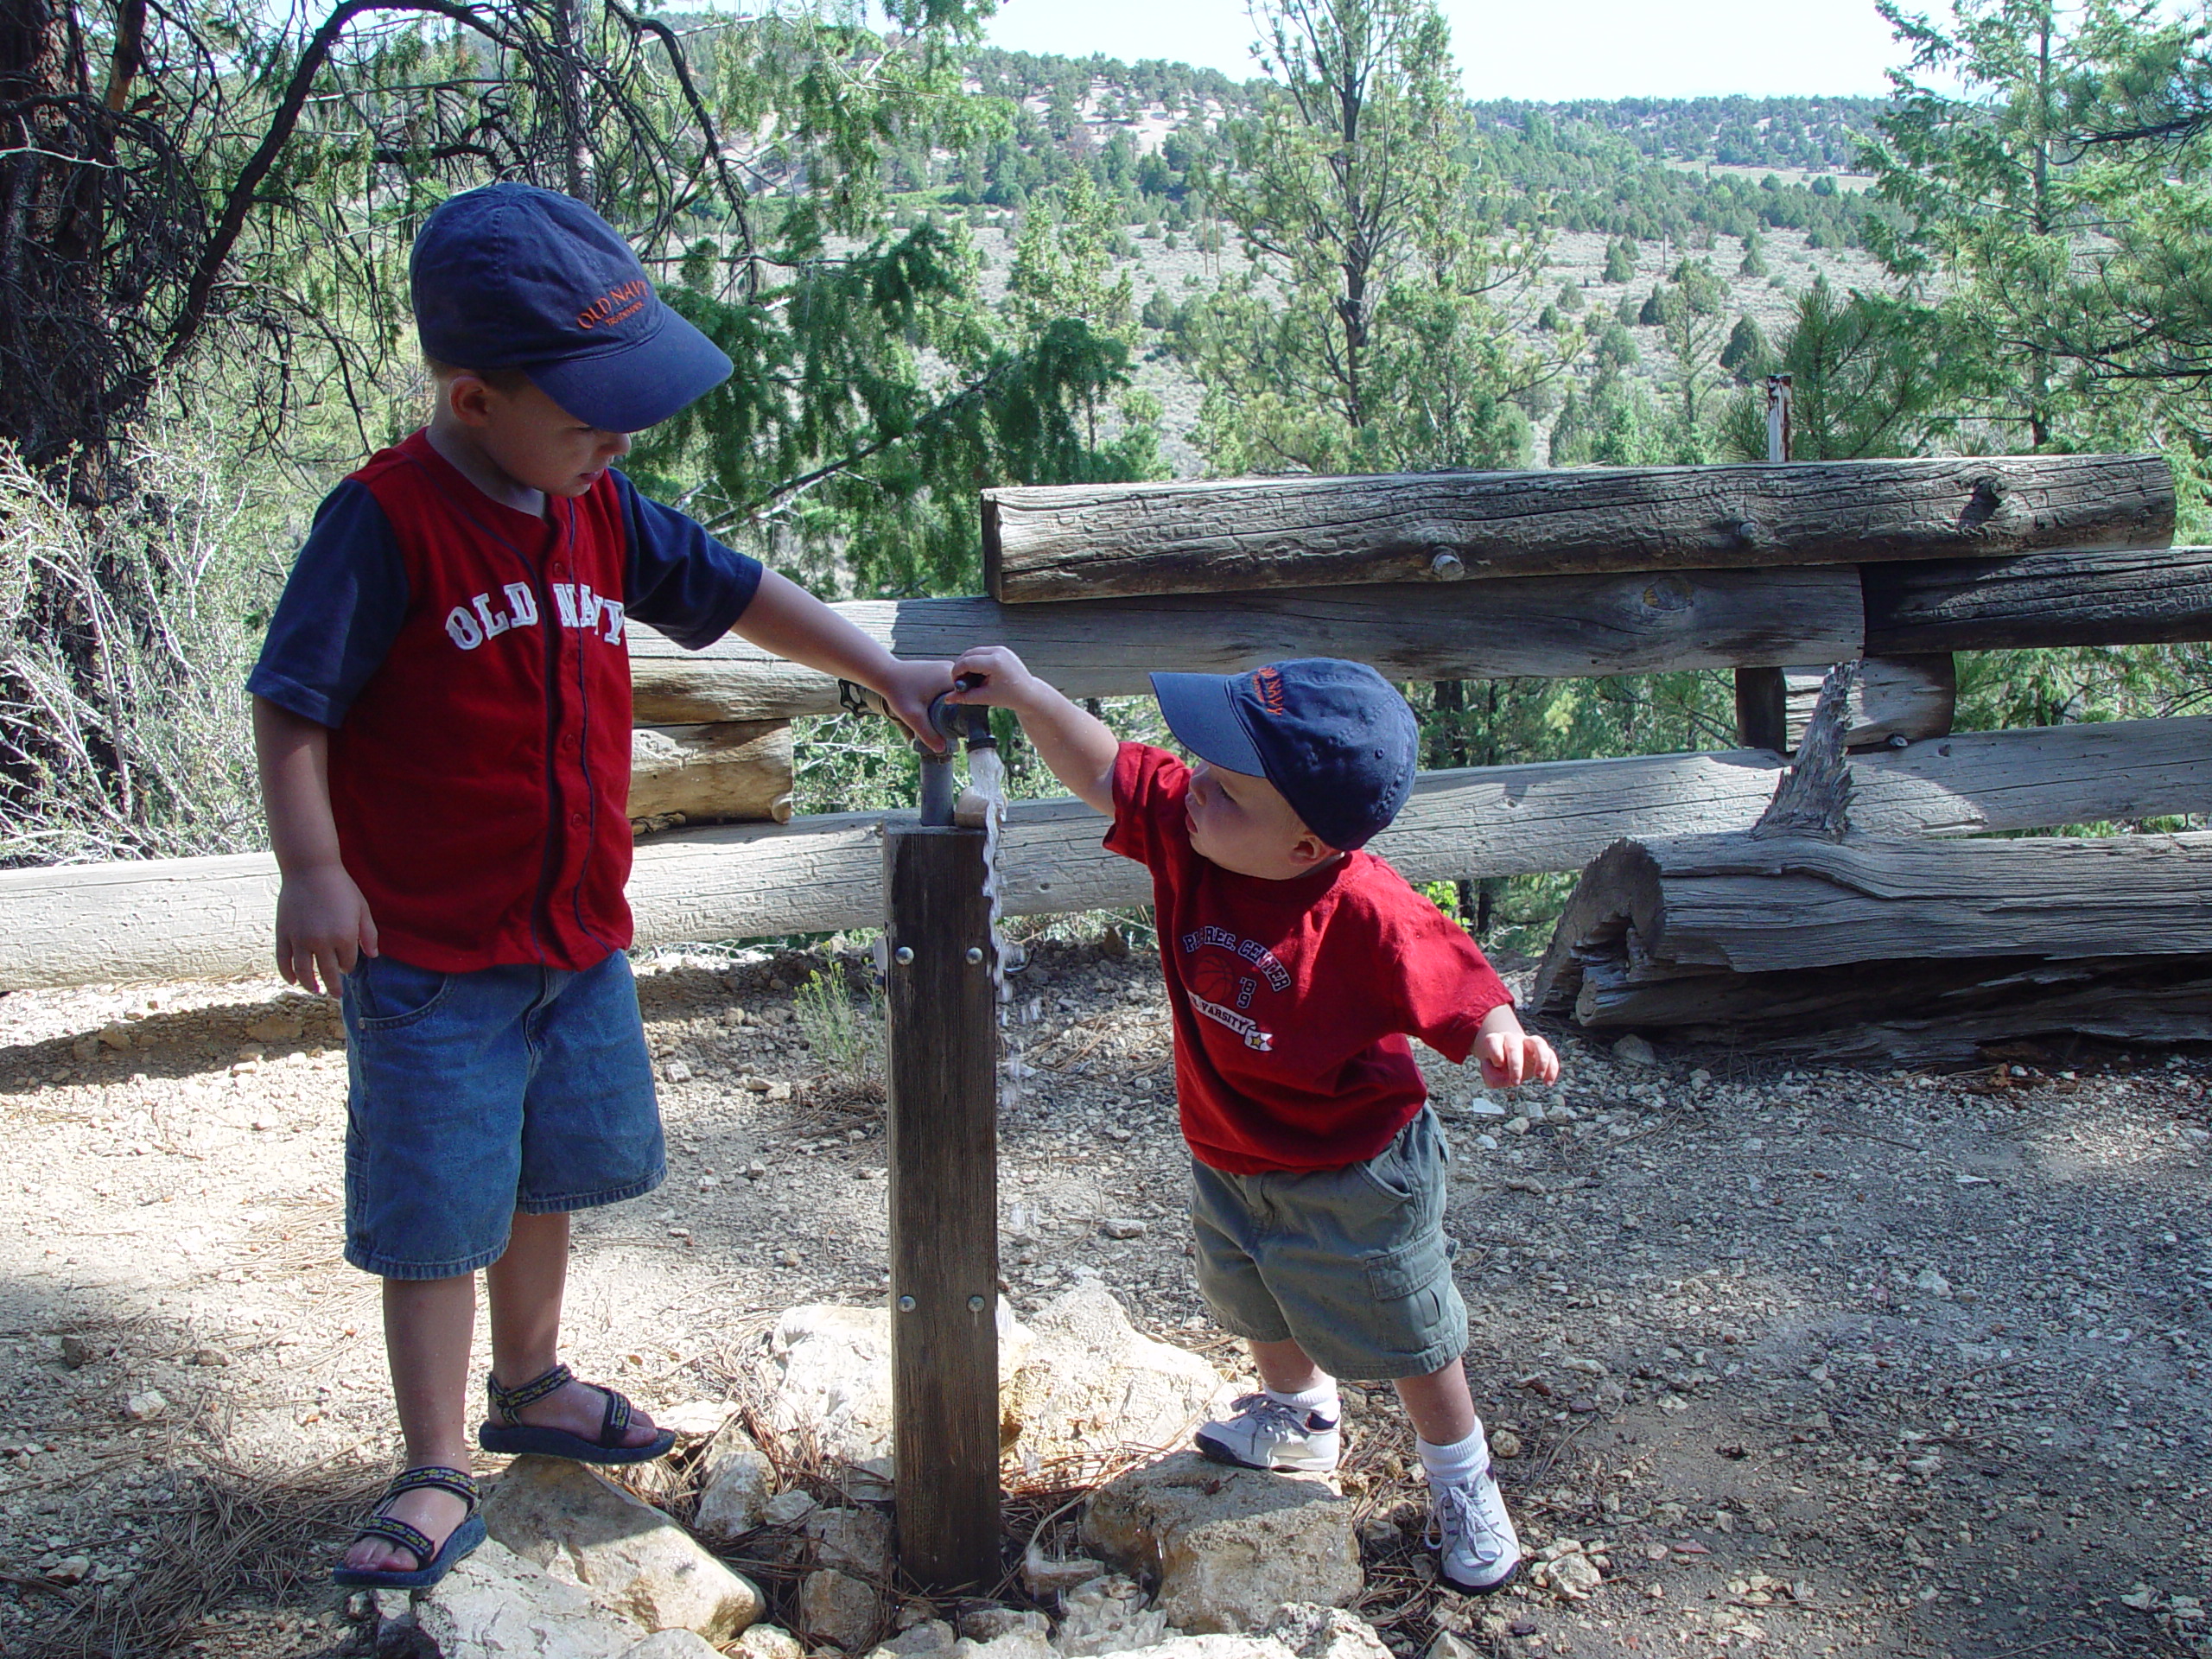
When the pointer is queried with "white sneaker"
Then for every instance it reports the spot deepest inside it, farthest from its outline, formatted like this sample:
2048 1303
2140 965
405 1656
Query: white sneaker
1469 1528
1265 1434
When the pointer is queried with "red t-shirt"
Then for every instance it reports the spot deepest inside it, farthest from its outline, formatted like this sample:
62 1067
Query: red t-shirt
1292 998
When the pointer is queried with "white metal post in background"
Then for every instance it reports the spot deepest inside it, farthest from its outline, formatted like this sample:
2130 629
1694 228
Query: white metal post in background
1763 694
1777 417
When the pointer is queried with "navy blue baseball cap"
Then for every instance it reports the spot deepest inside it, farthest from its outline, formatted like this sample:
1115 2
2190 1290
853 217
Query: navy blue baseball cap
511 276
1335 737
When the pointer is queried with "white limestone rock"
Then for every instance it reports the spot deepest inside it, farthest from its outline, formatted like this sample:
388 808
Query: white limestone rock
495 1605
836 1608
1227 1546
1111 1614
736 1480
1091 1382
575 1523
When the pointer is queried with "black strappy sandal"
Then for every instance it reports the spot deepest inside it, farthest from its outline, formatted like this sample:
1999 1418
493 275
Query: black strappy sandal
508 1435
432 1561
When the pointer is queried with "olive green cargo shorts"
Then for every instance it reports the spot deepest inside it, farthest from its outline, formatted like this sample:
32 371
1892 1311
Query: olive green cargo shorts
1352 1263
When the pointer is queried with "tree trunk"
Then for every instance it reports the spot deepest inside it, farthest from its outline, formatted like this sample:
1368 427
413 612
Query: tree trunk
729 772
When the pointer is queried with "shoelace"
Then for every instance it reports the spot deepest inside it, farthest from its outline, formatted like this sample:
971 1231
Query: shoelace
1454 1511
1268 1413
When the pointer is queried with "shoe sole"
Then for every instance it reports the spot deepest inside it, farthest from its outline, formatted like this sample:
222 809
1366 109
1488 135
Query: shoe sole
1490 1589
1215 1451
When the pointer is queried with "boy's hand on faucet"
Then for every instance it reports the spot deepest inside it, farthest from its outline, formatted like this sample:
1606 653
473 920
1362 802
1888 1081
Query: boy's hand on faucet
992 674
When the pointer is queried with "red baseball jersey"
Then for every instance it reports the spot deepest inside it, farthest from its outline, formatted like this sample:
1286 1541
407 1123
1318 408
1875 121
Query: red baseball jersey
470 660
1293 1000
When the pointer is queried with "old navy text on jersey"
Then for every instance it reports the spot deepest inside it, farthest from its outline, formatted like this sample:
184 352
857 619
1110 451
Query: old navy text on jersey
471 624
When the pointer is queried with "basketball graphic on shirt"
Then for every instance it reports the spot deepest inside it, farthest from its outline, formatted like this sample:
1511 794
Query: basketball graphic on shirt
1215 989
1210 977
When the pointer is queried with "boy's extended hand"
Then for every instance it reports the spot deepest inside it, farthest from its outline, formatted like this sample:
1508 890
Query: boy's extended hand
323 928
909 688
1511 1056
1075 746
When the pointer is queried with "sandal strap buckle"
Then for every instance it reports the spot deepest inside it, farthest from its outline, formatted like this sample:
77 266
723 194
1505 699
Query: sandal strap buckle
508 1401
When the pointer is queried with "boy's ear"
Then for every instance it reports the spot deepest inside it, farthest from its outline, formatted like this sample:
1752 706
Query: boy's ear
1310 850
467 397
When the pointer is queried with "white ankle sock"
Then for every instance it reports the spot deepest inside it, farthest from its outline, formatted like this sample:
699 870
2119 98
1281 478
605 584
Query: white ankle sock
1457 1464
1322 1397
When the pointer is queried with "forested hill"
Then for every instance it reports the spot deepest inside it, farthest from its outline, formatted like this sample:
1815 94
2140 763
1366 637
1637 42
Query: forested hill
1815 133
1148 133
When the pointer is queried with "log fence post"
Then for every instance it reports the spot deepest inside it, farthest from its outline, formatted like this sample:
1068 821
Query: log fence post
943 1069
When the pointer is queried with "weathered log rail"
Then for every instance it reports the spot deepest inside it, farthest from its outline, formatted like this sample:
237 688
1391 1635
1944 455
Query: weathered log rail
177 919
1537 626
1109 540
1896 948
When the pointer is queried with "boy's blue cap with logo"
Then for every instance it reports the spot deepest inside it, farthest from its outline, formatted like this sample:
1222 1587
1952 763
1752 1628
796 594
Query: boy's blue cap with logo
1333 736
511 276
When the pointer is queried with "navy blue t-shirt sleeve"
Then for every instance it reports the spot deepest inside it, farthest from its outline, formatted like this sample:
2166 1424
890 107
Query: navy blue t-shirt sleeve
341 610
682 580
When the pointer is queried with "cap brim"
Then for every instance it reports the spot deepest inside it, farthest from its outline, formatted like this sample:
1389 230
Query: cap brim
1198 710
640 385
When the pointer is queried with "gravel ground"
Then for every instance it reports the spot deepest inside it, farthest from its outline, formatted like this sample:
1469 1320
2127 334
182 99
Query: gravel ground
1814 1362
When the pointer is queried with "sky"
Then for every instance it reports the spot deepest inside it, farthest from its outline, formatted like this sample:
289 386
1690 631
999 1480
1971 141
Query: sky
1511 48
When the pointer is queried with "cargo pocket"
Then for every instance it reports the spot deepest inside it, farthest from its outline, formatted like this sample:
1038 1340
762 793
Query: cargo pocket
1409 1270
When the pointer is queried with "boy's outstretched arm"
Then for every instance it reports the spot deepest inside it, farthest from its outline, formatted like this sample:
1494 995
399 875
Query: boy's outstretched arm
787 619
1510 1055
323 925
1076 747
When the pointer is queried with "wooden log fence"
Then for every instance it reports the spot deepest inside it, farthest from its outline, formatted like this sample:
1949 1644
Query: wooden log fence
1895 948
178 918
1911 698
728 771
1541 627
2154 597
1113 540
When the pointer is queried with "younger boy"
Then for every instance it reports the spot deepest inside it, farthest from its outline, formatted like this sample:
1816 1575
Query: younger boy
1295 962
442 718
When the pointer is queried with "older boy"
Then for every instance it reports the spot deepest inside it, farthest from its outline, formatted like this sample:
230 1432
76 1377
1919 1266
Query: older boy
1295 962
443 718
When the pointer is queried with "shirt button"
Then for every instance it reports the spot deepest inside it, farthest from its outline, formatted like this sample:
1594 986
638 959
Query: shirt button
576 820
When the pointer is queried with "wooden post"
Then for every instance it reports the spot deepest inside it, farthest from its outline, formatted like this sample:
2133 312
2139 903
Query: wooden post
1762 695
943 1112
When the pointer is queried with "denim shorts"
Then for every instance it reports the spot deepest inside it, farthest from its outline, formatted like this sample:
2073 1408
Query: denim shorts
476 1095
1352 1263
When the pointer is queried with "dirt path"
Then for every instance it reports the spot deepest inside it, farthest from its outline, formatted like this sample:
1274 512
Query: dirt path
1818 1362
